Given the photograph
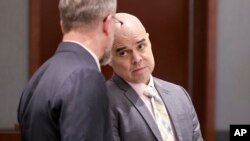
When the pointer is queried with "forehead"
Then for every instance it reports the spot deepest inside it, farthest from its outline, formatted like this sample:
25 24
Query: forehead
129 37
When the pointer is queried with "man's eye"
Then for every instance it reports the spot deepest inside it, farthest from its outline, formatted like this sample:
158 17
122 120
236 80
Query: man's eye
141 46
123 53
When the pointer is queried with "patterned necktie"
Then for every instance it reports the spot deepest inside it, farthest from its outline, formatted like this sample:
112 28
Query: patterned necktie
161 115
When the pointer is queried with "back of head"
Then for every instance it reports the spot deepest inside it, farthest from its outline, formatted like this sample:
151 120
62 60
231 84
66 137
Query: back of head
76 13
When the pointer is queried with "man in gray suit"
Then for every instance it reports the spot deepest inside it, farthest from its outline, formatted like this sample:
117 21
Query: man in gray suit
66 99
133 114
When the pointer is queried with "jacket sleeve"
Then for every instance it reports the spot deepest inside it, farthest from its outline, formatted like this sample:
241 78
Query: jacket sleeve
197 136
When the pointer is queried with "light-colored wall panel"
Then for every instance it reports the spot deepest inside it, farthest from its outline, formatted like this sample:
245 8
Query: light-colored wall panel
13 58
233 64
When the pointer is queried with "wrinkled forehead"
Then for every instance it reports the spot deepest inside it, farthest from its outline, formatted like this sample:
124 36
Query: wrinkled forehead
130 39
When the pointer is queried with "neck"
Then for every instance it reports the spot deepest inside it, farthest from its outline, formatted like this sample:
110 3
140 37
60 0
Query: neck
90 40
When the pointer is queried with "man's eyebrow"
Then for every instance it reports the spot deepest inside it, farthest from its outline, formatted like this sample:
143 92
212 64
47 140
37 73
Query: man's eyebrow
120 49
142 40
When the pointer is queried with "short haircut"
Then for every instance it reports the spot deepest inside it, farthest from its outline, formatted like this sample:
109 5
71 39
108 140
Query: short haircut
84 12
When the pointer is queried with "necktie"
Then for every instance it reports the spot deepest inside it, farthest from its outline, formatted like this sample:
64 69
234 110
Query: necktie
161 115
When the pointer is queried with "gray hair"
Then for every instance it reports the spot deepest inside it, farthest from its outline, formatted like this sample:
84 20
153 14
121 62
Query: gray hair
84 12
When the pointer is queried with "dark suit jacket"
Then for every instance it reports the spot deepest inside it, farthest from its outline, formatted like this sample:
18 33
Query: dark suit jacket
66 99
132 121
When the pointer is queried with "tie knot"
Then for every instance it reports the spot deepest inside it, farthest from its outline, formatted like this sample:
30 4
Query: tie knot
149 91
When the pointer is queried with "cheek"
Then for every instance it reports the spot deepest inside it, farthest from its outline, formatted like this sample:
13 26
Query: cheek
149 59
121 65
152 60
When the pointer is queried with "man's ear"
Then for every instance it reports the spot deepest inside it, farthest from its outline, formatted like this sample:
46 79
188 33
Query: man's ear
106 24
61 25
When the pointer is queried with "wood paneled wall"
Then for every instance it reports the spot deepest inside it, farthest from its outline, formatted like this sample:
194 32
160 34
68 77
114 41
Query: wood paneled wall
10 136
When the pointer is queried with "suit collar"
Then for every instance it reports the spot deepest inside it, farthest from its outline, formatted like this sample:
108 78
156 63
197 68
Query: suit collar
120 82
80 50
138 104
88 50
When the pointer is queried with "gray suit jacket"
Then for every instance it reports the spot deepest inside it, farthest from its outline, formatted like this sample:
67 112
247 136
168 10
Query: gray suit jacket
132 121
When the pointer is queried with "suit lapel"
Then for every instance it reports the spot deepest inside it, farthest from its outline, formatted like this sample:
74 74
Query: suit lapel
170 104
139 105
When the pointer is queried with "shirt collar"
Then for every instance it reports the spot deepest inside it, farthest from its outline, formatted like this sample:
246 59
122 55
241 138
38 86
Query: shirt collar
88 50
139 87
151 82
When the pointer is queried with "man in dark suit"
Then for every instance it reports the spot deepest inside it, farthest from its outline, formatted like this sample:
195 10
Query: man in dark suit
66 99
136 115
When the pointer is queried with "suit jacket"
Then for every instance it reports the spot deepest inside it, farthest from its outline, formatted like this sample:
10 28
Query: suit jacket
66 99
132 121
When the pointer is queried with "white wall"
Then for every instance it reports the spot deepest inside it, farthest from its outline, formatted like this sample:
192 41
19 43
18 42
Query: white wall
233 74
13 58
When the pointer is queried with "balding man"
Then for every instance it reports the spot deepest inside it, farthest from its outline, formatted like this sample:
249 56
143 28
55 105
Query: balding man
145 108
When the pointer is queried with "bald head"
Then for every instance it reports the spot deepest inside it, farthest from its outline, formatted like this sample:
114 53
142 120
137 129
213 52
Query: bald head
130 25
132 57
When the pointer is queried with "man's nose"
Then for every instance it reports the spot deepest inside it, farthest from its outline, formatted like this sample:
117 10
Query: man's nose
136 58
